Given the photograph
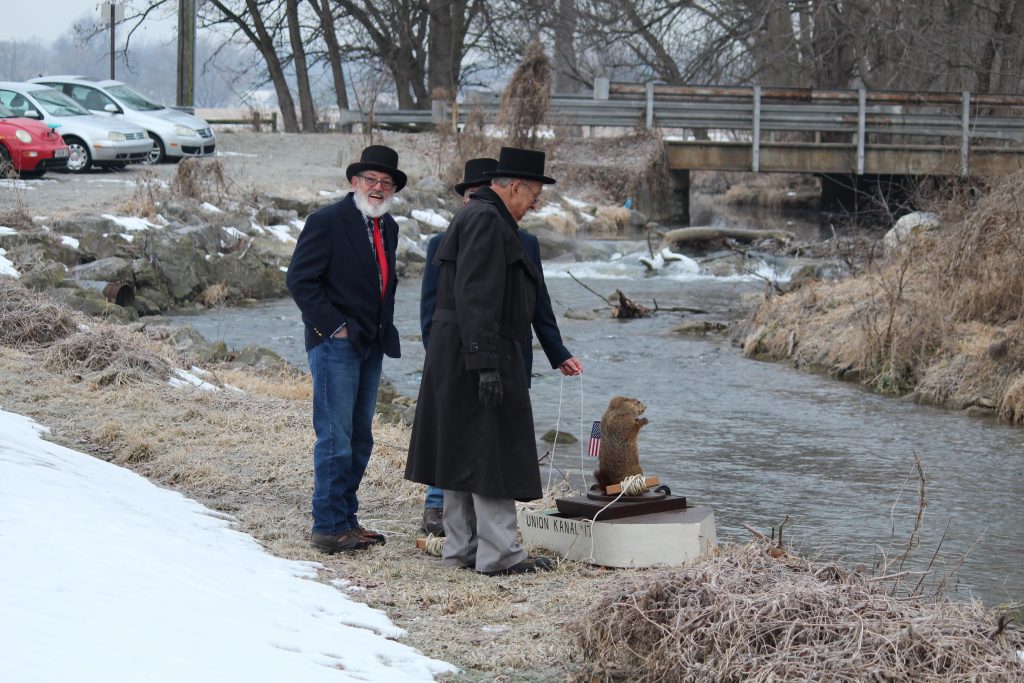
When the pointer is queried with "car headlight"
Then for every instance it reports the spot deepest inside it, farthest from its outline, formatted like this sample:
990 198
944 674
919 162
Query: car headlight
117 137
23 136
185 131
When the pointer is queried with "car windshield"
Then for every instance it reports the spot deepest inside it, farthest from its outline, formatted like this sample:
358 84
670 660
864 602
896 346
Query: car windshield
5 113
132 99
58 104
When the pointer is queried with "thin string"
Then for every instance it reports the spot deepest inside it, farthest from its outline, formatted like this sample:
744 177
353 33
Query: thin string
558 425
633 485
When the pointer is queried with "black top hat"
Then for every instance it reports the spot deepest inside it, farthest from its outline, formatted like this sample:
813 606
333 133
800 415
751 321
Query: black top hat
475 174
378 158
521 163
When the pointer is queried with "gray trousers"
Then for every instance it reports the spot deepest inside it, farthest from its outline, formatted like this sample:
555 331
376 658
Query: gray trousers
480 532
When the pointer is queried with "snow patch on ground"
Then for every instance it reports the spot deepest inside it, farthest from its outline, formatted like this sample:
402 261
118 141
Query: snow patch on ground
130 582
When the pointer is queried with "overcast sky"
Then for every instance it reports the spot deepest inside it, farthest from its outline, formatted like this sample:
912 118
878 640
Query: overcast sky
23 20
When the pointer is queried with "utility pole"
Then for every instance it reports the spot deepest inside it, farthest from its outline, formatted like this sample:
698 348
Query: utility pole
112 12
186 53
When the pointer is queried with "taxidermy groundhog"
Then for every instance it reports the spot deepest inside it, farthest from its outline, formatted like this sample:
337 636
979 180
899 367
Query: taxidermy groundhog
619 456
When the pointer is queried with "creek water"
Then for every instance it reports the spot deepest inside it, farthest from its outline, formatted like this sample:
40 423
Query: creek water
755 441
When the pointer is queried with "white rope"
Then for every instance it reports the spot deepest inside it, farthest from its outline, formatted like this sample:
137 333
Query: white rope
433 545
633 485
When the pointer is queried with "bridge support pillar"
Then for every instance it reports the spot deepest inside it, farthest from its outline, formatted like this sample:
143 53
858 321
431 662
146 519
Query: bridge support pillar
681 198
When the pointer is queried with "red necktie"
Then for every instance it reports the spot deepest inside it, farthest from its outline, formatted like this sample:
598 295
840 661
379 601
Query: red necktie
382 258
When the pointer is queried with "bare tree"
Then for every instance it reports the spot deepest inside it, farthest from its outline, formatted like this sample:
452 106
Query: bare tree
295 36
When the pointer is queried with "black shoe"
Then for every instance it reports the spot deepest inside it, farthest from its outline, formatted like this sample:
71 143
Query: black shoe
527 566
346 541
374 537
433 521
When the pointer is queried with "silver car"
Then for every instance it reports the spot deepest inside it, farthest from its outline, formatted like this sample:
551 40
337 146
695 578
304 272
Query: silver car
176 134
92 140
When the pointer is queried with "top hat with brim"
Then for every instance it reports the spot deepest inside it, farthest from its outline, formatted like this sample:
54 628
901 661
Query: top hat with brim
378 158
527 164
475 174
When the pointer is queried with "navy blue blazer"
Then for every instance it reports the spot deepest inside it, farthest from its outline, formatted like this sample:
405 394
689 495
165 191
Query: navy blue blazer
544 323
334 279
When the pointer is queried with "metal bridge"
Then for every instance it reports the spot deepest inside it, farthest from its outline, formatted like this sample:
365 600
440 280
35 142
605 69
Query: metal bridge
843 136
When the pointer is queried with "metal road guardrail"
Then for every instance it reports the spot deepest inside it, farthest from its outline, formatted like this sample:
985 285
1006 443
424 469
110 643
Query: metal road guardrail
867 119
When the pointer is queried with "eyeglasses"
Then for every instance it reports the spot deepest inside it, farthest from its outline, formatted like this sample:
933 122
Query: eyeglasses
534 195
385 183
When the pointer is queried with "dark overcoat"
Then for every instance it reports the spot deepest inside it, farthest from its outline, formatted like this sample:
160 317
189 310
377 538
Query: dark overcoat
334 279
486 295
544 322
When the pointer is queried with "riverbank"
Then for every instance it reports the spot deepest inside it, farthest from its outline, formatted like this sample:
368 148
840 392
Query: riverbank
936 318
240 444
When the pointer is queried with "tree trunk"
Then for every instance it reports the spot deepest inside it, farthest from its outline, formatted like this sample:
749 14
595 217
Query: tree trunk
681 235
564 50
261 38
323 10
306 105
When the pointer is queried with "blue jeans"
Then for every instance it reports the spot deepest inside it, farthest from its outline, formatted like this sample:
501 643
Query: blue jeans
344 401
435 498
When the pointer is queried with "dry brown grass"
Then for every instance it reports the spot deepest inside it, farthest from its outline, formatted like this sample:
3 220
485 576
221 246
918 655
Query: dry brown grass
27 317
247 454
746 616
110 355
905 323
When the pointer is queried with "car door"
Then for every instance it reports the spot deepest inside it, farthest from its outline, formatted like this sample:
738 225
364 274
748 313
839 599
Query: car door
19 104
93 99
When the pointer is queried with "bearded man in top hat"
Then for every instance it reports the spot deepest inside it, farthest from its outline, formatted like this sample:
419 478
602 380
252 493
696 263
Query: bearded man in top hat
473 431
474 177
342 277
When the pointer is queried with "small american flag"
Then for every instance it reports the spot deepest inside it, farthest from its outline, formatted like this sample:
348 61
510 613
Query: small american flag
595 439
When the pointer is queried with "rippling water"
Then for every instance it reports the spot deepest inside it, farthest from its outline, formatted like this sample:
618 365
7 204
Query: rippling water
755 441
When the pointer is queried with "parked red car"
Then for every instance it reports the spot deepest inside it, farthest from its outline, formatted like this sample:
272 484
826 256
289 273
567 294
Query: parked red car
29 147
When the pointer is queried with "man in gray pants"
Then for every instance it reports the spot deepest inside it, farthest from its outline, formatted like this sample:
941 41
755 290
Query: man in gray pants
473 431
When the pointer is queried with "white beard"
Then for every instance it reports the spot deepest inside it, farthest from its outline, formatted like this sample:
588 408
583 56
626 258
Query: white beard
368 209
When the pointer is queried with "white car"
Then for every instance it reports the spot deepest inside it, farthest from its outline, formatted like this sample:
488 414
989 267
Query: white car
176 134
92 140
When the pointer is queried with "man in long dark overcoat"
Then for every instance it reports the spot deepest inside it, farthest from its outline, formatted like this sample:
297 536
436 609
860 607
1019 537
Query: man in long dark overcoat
473 432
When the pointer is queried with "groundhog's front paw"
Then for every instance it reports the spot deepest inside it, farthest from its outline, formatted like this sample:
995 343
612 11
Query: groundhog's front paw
641 421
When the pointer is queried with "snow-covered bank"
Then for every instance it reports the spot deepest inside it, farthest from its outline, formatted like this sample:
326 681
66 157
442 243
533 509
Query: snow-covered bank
107 577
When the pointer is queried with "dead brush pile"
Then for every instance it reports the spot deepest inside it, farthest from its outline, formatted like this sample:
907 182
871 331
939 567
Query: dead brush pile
108 355
30 318
744 616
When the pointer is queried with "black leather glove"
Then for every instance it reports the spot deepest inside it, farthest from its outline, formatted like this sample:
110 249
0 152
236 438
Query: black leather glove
490 388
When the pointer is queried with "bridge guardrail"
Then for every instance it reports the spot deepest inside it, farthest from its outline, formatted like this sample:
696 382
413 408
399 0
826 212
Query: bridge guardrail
861 118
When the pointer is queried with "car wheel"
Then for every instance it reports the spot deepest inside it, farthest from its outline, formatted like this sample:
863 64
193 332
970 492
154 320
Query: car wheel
79 158
6 166
157 154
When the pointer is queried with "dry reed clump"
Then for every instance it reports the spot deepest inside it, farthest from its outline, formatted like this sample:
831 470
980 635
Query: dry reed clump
27 317
112 355
744 616
200 179
524 102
